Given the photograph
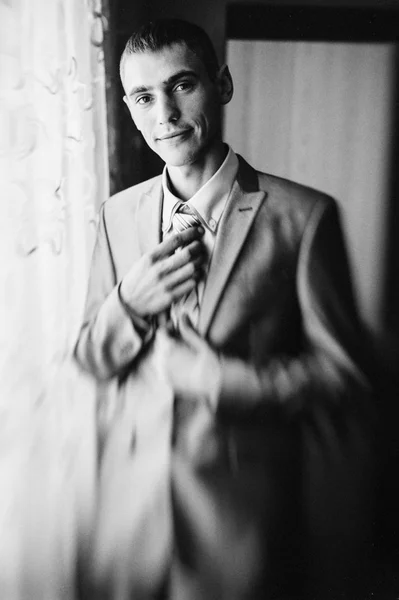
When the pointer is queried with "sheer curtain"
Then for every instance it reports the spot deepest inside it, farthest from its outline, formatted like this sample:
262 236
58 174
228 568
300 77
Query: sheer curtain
53 177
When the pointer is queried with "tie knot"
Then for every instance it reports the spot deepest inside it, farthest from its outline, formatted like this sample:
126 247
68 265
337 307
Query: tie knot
184 217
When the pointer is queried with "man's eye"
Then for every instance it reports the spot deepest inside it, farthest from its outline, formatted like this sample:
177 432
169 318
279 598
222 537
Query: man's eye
143 100
183 86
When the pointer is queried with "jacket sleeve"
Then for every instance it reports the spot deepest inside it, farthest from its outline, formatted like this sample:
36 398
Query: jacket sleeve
111 336
330 367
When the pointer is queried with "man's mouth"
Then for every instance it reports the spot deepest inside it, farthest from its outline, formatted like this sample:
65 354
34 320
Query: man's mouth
173 135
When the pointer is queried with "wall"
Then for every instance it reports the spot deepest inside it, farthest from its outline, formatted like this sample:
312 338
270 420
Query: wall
320 113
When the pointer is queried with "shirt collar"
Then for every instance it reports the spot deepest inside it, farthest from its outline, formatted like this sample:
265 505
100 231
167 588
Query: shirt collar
210 200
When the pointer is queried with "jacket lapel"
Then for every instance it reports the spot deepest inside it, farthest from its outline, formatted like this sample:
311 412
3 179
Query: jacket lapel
149 217
239 214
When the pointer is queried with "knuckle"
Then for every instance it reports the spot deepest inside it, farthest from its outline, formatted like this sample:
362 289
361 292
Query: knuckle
159 269
191 252
173 262
175 294
178 240
195 248
168 285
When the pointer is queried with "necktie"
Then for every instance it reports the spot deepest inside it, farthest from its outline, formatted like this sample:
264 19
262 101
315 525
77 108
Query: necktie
183 217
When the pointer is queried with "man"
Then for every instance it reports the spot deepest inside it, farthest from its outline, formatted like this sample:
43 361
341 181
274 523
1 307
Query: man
226 340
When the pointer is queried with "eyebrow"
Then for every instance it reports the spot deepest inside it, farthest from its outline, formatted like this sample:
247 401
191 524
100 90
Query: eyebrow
172 79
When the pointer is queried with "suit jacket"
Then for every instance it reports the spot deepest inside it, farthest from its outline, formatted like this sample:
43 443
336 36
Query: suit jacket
235 504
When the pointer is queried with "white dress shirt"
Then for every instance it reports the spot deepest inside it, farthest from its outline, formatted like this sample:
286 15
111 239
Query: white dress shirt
208 203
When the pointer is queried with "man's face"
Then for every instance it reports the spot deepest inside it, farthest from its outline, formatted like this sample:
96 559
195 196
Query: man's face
173 103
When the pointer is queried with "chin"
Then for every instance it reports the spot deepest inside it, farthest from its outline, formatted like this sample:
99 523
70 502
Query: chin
179 159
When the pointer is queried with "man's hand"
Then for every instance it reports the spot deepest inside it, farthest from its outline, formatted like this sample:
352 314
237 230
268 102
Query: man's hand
190 364
163 276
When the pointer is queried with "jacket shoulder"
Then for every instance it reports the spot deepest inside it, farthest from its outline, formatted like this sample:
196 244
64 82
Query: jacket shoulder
295 203
283 194
288 204
291 191
128 199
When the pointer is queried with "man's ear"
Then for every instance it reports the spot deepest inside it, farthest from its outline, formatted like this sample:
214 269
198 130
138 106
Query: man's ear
224 82
126 101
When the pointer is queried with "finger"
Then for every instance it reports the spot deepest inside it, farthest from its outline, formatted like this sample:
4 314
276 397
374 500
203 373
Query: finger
168 246
190 335
188 254
192 270
163 319
165 324
165 298
182 289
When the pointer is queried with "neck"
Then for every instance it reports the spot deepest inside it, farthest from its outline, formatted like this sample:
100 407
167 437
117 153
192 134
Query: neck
186 180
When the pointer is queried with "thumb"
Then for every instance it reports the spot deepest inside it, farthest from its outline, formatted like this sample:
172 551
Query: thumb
190 335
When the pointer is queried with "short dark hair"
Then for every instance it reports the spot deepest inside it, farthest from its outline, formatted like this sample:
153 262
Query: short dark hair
161 33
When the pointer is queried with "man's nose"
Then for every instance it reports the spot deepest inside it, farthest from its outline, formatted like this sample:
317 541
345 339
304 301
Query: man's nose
167 110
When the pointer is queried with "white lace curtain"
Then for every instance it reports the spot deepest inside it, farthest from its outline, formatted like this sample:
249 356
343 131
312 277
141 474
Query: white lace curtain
53 177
